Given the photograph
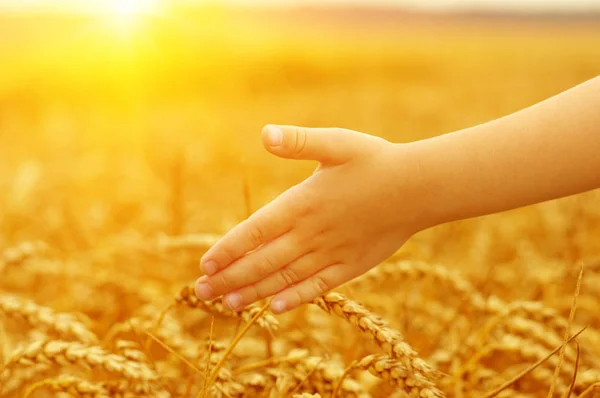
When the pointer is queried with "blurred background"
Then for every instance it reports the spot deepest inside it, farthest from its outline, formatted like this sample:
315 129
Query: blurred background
144 116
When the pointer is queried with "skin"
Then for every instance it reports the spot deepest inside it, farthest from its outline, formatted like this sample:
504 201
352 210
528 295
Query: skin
368 196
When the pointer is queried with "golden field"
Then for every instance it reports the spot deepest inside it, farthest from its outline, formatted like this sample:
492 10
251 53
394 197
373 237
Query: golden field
126 151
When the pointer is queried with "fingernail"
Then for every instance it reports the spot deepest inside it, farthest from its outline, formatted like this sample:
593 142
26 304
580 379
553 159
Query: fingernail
234 300
209 267
278 306
274 136
204 291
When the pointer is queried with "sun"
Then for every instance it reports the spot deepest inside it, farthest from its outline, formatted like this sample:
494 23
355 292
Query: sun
132 8
127 13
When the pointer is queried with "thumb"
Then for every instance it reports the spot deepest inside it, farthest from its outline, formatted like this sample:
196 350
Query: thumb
326 145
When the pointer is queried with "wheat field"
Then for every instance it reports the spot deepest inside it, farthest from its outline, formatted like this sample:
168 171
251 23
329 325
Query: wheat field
123 159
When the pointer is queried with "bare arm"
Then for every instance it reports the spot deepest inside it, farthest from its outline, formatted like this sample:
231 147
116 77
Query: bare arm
543 152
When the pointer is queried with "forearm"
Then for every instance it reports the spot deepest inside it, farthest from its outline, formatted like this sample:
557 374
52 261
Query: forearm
547 151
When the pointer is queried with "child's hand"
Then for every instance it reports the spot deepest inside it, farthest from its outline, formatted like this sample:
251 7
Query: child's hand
369 196
331 228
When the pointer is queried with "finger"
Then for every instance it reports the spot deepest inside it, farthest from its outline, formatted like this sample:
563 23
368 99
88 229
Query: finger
286 277
254 266
311 288
327 145
263 226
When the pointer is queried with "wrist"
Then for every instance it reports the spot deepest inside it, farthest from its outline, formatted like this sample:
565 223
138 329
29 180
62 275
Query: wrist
419 189
447 176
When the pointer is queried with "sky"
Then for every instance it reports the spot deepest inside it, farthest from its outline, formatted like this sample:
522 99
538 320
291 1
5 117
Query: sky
442 5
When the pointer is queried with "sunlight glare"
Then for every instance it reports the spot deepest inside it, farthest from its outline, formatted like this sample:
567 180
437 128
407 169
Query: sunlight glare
126 13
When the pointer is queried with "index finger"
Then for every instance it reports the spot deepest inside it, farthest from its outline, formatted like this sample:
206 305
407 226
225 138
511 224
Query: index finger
266 224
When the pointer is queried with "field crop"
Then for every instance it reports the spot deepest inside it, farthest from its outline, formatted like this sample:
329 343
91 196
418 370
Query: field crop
123 159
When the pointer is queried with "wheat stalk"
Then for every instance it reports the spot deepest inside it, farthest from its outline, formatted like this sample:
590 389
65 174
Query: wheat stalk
17 255
71 385
63 325
421 376
187 298
62 353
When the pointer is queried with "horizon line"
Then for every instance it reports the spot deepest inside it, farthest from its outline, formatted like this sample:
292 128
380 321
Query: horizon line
66 8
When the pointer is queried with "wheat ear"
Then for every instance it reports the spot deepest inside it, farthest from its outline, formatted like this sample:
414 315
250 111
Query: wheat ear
420 375
64 325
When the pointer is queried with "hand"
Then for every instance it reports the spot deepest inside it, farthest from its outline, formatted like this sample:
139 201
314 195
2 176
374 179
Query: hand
355 211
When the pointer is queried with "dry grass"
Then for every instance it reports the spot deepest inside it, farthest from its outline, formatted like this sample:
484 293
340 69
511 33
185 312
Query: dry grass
119 170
